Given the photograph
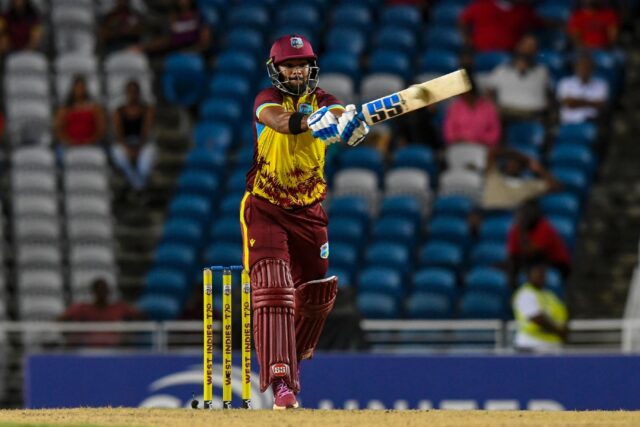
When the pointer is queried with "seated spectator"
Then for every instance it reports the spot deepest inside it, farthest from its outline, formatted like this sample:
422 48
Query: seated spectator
121 27
506 188
187 31
101 309
20 27
533 239
583 97
594 25
81 120
521 87
132 151
472 118
541 316
497 24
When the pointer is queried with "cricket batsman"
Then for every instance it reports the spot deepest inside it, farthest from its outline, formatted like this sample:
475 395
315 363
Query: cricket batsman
284 227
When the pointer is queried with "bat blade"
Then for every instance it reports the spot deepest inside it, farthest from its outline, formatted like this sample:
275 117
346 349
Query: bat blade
415 97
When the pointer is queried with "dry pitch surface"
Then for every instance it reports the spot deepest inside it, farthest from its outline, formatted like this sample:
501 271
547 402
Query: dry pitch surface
299 418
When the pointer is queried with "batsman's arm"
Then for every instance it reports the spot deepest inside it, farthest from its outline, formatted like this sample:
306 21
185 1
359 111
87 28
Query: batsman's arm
278 119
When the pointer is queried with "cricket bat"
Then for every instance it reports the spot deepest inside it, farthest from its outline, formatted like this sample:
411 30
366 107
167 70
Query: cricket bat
415 97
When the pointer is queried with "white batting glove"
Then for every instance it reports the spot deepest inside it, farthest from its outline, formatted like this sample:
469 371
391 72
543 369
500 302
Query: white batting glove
352 127
324 126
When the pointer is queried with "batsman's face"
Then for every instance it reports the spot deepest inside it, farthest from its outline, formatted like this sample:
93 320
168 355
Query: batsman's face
294 71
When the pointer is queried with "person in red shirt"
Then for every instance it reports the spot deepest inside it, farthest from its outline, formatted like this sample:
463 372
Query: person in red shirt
81 121
533 239
101 309
497 24
20 27
594 25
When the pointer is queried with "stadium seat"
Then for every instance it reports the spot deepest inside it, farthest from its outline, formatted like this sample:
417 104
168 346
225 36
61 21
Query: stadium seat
566 229
214 136
238 63
573 180
489 280
406 207
440 254
461 182
230 204
350 207
573 156
410 181
565 204
488 254
378 306
221 109
347 39
357 182
183 78
395 256
341 62
529 133
237 182
495 229
244 157
449 229
485 62
457 206
437 61
300 13
363 158
416 156
446 14
557 12
159 307
221 253
480 305
166 281
395 37
227 230
438 281
343 256
378 85
402 16
182 230
251 16
344 278
383 280
426 305
206 160
348 230
555 62
443 37
235 87
391 62
189 206
339 85
199 183
175 256
352 15
245 39
584 133
466 156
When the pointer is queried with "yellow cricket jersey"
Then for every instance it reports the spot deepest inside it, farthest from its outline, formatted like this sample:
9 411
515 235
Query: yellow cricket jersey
288 170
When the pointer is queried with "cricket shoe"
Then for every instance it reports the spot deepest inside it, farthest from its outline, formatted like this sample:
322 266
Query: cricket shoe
283 396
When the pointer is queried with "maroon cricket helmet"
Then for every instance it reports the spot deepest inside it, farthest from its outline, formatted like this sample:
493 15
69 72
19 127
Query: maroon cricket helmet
293 46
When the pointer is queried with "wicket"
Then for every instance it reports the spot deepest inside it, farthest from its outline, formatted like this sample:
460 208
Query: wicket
207 336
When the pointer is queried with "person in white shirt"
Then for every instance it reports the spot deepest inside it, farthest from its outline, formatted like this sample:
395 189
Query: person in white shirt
583 96
521 87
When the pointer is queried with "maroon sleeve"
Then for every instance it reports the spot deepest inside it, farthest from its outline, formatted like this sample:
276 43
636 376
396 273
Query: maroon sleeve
326 99
266 96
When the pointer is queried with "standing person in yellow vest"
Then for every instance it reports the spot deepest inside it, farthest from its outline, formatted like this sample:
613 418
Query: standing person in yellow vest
541 315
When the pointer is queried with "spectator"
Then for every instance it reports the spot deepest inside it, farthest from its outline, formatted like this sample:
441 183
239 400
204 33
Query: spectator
508 188
20 27
594 26
101 309
80 121
497 24
121 27
541 316
583 97
533 239
132 151
187 31
521 87
472 118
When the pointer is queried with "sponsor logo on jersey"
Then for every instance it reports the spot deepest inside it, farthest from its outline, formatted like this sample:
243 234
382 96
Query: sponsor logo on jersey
305 108
296 42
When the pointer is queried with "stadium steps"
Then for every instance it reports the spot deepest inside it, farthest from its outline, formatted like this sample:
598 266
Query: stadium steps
607 253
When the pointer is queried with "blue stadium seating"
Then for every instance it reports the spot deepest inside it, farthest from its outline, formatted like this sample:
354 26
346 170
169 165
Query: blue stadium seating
197 208
378 306
395 37
441 37
480 305
555 61
348 230
344 278
436 281
347 39
485 62
343 256
425 305
488 254
340 61
449 229
527 150
222 109
244 157
182 230
407 207
557 40
401 16
565 204
227 230
166 281
389 255
252 16
584 133
362 157
245 39
235 87
201 158
574 156
438 61
238 63
381 280
565 227
176 256
440 254
489 280
446 14
573 180
230 204
214 136
350 207
159 307
183 78
495 229
390 61
352 15
458 206
395 229
300 13
416 156
237 181
530 133
220 253
554 11
197 182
